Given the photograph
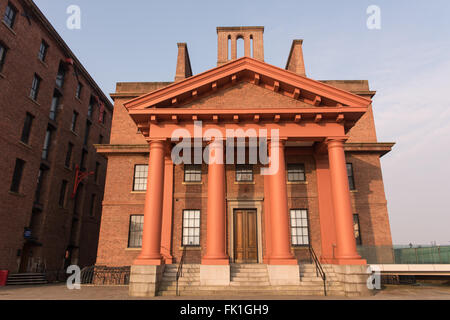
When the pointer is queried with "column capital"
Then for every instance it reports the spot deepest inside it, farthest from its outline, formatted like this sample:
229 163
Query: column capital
338 139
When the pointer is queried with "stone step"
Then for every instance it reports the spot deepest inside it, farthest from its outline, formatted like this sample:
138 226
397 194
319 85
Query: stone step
250 279
249 283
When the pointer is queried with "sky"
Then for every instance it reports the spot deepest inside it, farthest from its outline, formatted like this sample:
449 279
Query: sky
407 61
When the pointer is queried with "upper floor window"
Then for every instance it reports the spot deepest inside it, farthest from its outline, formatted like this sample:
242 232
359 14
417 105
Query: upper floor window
40 182
296 172
68 161
27 128
244 173
79 89
84 155
17 175
91 107
140 177
191 227
43 51
62 194
299 227
86 132
47 143
357 229
10 15
351 178
3 51
61 75
35 87
92 207
192 173
73 126
54 106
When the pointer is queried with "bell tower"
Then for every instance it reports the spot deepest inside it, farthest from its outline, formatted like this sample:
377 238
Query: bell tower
227 43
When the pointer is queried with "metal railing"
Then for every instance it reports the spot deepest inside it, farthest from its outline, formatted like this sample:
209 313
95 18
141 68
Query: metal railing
397 254
180 268
102 275
319 269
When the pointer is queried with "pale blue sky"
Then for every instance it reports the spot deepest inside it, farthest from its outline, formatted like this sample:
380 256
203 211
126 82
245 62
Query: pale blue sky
407 62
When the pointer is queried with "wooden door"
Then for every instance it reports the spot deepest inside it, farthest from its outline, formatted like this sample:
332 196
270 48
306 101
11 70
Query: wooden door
245 236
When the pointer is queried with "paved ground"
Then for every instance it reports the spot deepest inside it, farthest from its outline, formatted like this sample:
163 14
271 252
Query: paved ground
60 292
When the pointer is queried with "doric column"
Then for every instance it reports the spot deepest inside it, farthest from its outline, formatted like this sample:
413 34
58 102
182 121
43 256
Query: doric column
267 232
166 236
153 210
216 213
343 214
279 217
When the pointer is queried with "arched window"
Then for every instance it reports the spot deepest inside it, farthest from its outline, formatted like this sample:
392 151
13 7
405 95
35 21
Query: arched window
251 45
240 47
229 48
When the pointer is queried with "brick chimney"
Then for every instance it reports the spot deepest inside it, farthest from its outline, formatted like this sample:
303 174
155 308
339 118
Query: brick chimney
228 36
295 61
183 63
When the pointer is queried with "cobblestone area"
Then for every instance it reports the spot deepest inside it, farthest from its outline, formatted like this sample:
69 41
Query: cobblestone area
60 292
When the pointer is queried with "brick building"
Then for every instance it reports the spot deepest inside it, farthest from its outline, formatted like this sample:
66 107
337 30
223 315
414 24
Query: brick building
328 193
51 114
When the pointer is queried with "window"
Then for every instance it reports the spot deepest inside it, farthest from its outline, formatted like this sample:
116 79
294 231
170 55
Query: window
296 172
35 87
61 75
74 121
68 161
244 173
40 182
351 178
10 15
135 231
47 143
140 177
105 115
91 107
356 229
43 51
84 154
100 139
92 208
3 51
25 138
79 89
97 169
192 173
191 227
62 194
54 106
17 175
86 132
299 227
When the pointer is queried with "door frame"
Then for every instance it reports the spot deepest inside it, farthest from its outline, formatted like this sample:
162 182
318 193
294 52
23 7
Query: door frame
249 205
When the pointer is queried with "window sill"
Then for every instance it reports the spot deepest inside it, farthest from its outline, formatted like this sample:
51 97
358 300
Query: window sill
187 248
192 183
21 195
43 63
138 192
2 75
353 191
9 28
74 133
79 100
34 101
299 247
133 249
244 182
296 182
68 169
25 145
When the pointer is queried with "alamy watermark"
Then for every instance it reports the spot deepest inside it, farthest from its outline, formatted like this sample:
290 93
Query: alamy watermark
73 22
374 19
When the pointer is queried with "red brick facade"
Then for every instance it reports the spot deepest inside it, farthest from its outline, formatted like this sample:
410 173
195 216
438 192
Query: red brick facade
128 147
56 230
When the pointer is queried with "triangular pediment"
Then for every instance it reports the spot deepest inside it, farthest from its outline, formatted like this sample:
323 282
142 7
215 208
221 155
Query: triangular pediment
247 79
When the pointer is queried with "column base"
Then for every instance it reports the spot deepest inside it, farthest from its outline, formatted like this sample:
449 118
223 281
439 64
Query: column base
215 275
284 274
215 262
148 262
282 261
144 280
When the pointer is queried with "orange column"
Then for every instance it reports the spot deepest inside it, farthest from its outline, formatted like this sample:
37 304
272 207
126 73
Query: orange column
216 213
166 236
267 232
151 236
279 217
343 217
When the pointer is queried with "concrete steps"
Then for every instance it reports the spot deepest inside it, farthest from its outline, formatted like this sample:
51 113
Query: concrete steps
246 280
25 279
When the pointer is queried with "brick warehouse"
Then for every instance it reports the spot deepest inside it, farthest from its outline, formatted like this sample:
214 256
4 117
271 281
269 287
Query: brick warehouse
226 219
51 114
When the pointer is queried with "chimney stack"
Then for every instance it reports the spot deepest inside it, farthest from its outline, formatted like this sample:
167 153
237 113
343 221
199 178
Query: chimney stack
295 61
183 63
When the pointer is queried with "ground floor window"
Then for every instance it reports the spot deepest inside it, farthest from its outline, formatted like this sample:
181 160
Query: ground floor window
191 227
299 227
135 231
356 229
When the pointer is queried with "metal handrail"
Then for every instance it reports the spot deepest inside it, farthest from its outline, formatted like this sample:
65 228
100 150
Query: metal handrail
319 269
180 268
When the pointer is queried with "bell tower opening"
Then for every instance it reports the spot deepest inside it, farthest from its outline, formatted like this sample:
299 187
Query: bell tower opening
228 37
